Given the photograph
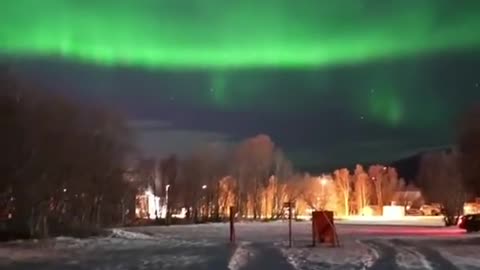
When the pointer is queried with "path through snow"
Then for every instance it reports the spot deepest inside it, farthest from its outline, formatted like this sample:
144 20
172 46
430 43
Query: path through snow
259 246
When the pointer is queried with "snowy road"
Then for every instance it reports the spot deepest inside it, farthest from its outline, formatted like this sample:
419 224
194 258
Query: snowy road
259 246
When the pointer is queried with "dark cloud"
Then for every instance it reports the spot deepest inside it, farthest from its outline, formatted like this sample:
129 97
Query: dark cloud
163 142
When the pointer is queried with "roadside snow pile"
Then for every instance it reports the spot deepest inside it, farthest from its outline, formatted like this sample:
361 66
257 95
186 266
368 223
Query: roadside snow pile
121 239
63 242
118 233
168 261
241 257
117 239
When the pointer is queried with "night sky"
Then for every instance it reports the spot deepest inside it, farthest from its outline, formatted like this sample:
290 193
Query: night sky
332 82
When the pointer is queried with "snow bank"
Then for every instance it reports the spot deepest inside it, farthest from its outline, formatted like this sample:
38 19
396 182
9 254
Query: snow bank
166 261
62 242
117 240
118 233
240 257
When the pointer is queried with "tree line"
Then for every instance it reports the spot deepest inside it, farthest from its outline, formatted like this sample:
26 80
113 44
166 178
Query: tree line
452 177
62 163
257 179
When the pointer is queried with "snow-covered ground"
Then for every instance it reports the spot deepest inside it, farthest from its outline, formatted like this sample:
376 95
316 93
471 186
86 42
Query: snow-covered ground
258 246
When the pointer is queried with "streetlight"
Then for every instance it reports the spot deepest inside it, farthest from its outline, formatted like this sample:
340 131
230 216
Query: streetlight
205 210
323 181
167 187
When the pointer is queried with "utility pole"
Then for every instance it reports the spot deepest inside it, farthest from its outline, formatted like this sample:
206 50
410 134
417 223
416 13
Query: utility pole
290 225
290 215
167 209
232 224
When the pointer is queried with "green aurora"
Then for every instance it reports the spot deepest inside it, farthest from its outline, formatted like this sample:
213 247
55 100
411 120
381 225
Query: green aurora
225 38
219 34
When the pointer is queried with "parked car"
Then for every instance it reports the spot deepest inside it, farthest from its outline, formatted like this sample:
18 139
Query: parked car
430 210
470 223
413 212
471 208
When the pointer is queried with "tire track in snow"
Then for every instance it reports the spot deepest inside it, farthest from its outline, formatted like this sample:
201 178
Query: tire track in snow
386 258
432 258
400 254
409 258
372 256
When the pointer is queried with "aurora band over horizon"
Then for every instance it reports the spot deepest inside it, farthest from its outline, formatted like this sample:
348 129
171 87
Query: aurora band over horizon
222 35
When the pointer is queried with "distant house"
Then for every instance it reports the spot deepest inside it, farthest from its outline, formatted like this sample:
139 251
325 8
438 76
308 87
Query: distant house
411 196
472 207
148 205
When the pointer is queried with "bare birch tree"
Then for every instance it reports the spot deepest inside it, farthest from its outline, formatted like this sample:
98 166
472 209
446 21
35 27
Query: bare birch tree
252 169
343 183
363 188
